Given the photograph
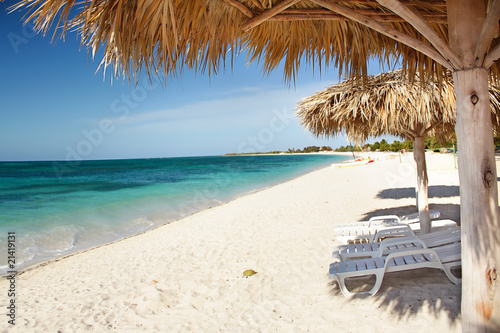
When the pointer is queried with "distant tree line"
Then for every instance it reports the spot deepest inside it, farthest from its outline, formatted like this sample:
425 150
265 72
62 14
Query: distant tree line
383 145
310 149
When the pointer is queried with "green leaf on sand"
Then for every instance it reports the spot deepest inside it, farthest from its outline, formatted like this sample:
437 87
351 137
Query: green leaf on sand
249 272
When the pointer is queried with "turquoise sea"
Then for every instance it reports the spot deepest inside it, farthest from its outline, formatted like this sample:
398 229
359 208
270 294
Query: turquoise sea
56 208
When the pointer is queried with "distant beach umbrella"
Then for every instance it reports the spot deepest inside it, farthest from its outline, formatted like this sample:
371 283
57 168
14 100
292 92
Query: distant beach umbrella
389 103
431 37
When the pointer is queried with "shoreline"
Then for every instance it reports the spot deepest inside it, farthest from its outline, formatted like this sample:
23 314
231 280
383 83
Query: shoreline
187 275
213 204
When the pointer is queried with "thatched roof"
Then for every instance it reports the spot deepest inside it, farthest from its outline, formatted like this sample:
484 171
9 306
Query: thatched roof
388 103
166 35
426 36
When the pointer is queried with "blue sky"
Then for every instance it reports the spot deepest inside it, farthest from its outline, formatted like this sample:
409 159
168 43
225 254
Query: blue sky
55 105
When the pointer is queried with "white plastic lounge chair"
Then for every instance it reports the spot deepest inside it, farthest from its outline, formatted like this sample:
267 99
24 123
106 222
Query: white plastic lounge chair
414 218
388 219
369 233
443 257
391 245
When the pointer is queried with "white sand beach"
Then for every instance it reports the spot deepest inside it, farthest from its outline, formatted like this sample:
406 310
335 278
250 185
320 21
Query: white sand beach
187 276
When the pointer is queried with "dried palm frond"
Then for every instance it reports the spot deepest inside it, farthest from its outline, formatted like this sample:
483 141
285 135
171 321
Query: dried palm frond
166 35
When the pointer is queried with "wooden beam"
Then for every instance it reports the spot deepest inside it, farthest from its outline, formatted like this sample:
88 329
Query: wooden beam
335 17
431 127
488 32
411 133
437 3
328 15
418 22
367 12
386 30
492 56
258 4
442 19
324 10
306 11
465 22
279 7
241 7
307 17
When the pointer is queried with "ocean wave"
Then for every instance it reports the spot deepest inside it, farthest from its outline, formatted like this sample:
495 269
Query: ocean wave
104 201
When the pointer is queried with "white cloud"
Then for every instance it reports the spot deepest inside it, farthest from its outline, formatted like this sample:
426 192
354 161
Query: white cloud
244 107
225 122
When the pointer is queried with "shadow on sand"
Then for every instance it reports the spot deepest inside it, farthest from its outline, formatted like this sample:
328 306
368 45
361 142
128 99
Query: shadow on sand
408 293
439 191
448 211
423 292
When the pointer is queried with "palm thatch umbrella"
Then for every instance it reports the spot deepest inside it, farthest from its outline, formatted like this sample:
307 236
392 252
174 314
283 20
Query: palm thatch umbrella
427 36
389 103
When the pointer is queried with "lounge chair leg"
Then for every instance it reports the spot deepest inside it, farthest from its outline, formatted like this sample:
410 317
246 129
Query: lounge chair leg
343 288
449 274
378 283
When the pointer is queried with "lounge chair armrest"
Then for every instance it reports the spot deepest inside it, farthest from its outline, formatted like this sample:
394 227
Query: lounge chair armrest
415 218
393 231
434 255
336 252
386 243
383 218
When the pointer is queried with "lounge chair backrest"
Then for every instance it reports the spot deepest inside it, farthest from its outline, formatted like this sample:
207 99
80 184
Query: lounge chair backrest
415 217
441 237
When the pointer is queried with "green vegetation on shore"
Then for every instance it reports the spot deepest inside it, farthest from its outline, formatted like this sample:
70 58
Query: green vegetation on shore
383 145
430 143
310 149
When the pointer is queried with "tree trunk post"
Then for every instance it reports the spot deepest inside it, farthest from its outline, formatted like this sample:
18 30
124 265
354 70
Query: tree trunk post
479 212
479 203
422 184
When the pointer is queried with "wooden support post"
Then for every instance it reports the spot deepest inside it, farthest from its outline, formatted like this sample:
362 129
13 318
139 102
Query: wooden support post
422 184
478 203
479 212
